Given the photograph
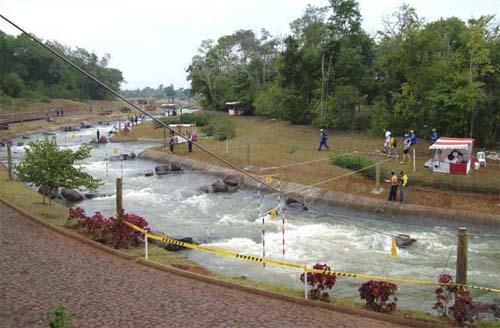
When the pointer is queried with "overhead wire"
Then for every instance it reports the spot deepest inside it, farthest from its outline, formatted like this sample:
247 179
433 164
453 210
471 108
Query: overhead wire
202 148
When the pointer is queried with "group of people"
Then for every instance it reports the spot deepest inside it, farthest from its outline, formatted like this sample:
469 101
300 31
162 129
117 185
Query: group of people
401 183
410 141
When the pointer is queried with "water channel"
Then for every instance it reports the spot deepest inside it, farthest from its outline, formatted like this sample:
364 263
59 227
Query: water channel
170 203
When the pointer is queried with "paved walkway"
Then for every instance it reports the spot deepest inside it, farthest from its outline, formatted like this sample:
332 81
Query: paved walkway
40 269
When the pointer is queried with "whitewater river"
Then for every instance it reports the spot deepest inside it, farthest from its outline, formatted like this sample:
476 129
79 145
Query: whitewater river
171 204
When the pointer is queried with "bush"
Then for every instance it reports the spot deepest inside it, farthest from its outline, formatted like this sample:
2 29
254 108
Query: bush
380 296
220 126
356 163
58 317
462 310
319 282
106 230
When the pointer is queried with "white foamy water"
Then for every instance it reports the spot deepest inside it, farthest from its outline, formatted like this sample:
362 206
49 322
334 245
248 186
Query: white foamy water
171 204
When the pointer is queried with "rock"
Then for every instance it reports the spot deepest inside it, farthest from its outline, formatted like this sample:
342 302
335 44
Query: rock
91 195
162 169
72 195
149 173
20 144
174 248
26 137
175 168
44 190
291 200
124 157
84 125
233 180
232 189
219 187
4 126
403 241
103 140
205 189
49 134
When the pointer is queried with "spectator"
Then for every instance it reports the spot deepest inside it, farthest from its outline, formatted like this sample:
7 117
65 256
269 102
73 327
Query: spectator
403 183
413 138
387 141
323 137
434 136
406 149
394 187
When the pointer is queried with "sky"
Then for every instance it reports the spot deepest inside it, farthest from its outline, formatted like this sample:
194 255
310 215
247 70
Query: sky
153 42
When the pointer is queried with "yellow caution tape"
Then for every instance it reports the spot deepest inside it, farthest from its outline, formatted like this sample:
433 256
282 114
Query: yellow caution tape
294 265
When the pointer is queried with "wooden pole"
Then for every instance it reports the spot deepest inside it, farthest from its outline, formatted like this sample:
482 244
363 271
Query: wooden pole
248 154
9 160
119 208
414 161
377 190
462 245
165 138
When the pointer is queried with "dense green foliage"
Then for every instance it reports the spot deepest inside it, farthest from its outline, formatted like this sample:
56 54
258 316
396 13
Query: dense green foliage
29 71
329 72
199 118
158 93
356 163
46 165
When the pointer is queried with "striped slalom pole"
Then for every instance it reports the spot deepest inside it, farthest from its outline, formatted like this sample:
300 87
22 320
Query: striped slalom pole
263 224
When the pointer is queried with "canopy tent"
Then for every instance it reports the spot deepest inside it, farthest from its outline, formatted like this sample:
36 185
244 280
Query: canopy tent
452 155
187 130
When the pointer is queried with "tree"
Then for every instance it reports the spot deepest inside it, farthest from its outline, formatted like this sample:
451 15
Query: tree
46 165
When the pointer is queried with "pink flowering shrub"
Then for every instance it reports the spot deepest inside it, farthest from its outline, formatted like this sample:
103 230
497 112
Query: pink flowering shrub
462 309
109 230
321 283
380 296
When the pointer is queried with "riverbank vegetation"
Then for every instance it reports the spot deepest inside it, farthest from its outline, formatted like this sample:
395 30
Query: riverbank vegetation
413 74
28 71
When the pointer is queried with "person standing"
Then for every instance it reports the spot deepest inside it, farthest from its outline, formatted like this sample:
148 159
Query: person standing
323 137
434 136
98 135
406 149
403 183
394 187
387 141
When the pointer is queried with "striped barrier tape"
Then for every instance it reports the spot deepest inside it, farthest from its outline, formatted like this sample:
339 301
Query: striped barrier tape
302 267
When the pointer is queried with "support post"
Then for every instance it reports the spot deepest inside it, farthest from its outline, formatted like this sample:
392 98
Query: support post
227 144
248 154
305 282
9 160
146 245
377 190
414 161
119 208
165 138
462 245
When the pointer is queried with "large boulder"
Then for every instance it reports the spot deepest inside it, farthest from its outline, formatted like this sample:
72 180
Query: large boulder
72 195
91 195
149 173
46 191
205 189
103 140
233 180
175 168
174 248
163 169
219 187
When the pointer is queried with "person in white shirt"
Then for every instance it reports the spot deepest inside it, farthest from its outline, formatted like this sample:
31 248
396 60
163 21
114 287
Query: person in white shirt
387 142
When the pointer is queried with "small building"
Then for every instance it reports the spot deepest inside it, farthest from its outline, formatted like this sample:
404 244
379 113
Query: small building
452 155
234 108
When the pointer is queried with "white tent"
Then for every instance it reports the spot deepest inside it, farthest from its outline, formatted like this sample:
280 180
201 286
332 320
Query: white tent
452 155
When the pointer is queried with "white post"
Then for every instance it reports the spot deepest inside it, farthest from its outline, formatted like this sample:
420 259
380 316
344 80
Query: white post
227 144
146 245
305 281
414 165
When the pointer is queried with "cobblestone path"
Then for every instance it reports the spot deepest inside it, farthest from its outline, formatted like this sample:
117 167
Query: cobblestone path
40 269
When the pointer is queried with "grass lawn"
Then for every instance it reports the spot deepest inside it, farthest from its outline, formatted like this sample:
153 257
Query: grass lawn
278 143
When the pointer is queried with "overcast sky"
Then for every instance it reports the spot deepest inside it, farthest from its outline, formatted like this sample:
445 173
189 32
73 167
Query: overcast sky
152 42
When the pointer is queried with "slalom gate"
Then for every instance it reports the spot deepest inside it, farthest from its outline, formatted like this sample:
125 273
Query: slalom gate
302 267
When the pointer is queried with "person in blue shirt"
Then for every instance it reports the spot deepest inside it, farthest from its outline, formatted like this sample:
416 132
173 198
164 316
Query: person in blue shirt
322 140
434 136
413 138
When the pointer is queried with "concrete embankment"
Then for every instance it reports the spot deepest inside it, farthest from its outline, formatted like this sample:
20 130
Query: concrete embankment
314 195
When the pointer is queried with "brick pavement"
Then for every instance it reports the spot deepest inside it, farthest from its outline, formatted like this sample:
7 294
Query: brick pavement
40 269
